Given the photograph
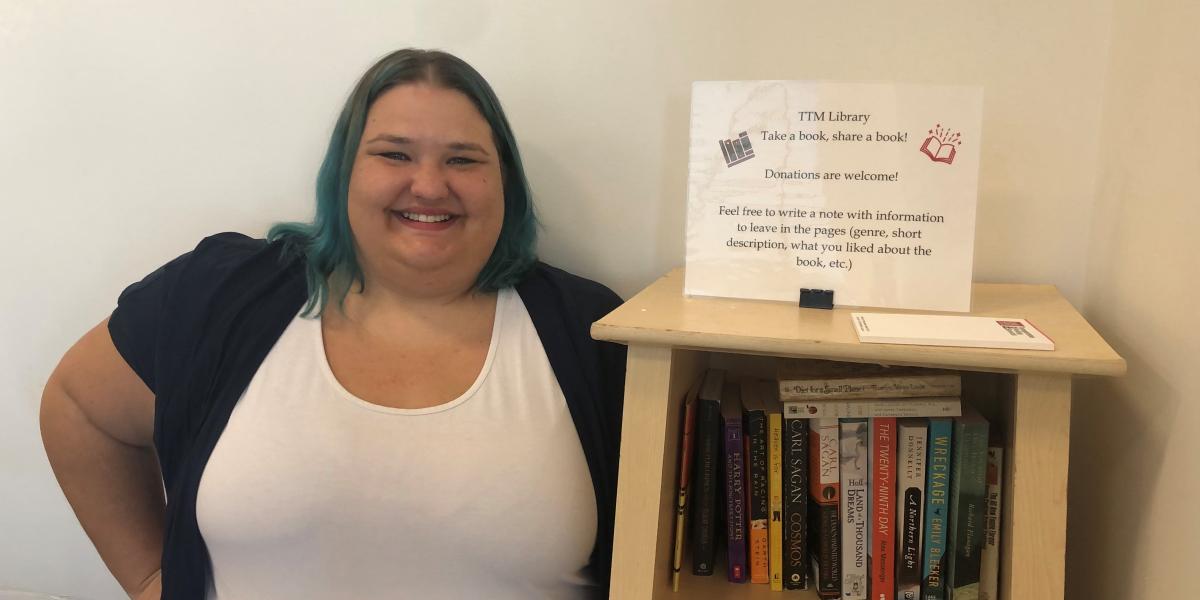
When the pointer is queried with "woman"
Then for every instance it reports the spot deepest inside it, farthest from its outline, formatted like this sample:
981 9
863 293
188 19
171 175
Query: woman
395 400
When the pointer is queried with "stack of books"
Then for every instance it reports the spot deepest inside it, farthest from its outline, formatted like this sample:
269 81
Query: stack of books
856 481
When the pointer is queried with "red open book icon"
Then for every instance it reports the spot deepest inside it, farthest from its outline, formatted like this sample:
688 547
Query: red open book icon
940 145
937 151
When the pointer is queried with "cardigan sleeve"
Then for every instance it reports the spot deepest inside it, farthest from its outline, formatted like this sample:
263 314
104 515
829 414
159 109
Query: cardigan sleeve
136 324
152 315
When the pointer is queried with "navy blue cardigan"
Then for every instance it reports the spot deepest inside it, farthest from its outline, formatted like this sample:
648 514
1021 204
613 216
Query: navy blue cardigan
197 329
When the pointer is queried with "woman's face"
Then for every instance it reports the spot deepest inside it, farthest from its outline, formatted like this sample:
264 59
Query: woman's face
426 200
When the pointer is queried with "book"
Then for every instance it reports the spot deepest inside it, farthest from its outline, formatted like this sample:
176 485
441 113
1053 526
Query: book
937 509
824 495
795 500
943 406
989 568
881 552
811 379
704 472
949 330
686 435
775 492
754 423
823 459
910 458
826 550
734 482
853 466
968 484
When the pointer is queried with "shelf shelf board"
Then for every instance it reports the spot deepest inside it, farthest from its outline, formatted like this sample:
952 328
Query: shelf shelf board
662 316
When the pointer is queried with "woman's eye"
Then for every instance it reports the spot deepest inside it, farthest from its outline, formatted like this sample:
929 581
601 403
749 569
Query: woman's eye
394 155
461 160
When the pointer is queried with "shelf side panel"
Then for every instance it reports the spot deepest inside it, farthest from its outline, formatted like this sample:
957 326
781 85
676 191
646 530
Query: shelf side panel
1033 540
656 381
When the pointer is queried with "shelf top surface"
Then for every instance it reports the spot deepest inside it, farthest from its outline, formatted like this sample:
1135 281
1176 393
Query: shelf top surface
661 315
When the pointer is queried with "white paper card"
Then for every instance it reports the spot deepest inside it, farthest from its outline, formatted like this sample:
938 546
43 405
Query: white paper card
865 189
949 330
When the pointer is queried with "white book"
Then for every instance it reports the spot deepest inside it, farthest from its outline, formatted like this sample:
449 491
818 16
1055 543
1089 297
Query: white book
947 406
854 466
949 330
989 569
914 436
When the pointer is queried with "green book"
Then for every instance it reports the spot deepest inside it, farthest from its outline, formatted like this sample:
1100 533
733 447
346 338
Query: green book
968 487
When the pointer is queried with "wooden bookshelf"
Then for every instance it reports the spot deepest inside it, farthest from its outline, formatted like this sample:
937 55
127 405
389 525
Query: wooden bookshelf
672 339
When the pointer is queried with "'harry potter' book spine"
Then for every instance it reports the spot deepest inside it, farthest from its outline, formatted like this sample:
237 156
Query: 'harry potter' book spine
854 464
795 500
881 564
914 434
937 509
704 476
735 483
968 484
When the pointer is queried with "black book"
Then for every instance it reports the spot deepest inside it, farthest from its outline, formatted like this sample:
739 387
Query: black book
825 538
705 473
795 504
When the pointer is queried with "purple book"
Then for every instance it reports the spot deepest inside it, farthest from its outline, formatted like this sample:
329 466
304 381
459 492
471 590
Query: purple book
735 482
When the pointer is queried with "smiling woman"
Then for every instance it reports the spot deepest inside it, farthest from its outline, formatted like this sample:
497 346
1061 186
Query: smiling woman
426 193
390 400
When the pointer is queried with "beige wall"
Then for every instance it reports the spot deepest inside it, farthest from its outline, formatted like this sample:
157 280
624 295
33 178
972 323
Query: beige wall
1135 456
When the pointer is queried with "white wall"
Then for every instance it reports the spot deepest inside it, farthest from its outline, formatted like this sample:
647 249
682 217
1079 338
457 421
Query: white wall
130 129
1135 457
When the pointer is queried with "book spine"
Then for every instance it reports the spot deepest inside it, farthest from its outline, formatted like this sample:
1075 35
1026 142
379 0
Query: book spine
795 500
914 434
757 494
864 408
825 496
735 500
989 569
822 459
968 484
937 507
775 491
853 463
881 565
704 518
825 539
902 386
686 436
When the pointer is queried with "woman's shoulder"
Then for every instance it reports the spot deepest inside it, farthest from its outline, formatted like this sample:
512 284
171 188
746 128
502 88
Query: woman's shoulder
218 255
548 282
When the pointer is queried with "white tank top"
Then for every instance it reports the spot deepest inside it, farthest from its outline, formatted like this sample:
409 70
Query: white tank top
312 492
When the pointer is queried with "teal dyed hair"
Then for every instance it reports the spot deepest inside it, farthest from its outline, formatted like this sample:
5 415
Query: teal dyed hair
327 244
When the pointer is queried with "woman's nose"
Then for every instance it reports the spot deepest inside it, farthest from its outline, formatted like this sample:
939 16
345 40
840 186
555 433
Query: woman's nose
429 181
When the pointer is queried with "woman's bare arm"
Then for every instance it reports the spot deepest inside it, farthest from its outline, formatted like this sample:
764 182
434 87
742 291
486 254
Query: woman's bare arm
97 421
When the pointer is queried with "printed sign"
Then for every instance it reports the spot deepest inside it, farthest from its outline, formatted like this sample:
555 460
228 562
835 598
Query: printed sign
868 190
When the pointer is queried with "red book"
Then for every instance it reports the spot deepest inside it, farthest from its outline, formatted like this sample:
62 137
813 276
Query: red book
881 562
